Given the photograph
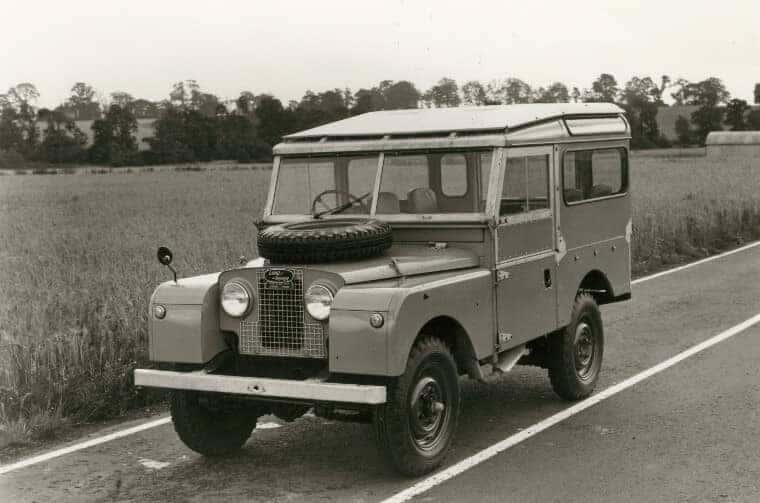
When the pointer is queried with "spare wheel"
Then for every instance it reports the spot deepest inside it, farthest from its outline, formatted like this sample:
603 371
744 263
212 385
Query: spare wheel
324 240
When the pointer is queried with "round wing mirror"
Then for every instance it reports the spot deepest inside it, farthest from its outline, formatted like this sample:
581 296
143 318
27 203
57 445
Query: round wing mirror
164 255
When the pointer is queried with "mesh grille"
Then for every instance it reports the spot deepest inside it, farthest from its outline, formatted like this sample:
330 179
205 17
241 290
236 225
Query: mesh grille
278 325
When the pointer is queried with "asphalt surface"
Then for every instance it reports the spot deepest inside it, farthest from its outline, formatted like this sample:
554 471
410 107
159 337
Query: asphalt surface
689 433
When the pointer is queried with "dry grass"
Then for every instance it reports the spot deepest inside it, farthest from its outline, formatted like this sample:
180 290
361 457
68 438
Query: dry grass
691 207
77 265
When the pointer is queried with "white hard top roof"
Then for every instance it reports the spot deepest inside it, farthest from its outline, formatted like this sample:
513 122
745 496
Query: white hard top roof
461 119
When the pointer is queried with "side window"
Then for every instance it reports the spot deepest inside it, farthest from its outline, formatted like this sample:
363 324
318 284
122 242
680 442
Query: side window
453 175
590 174
526 185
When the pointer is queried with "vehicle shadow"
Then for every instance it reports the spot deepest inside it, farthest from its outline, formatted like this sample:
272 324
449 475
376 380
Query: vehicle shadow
316 459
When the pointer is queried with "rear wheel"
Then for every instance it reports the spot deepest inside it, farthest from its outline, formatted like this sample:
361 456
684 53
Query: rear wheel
211 425
417 424
575 353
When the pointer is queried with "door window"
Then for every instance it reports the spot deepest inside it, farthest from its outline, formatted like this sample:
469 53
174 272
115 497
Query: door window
526 185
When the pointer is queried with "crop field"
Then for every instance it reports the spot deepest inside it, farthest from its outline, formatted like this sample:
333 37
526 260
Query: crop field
77 265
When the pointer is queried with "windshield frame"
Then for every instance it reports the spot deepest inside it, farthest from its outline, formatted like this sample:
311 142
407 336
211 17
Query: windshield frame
477 217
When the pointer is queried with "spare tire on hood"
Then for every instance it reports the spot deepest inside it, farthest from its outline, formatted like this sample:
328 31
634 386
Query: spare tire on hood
324 240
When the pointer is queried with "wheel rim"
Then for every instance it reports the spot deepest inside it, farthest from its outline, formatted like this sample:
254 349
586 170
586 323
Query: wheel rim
585 349
429 413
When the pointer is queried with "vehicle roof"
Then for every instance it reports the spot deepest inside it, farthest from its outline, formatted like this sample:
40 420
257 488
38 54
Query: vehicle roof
453 120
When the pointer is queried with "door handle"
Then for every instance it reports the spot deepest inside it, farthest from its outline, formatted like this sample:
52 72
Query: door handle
547 278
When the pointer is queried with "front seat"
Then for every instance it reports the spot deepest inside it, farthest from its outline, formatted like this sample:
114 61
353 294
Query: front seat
387 203
422 200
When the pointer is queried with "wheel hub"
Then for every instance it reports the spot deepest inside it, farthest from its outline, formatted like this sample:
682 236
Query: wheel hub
428 412
585 349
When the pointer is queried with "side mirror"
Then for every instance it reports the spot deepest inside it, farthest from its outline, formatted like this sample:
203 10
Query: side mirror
165 256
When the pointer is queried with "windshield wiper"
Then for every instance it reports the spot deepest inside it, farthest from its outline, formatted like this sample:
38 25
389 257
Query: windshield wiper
342 207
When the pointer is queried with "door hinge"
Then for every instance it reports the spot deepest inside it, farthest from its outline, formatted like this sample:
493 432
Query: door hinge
501 275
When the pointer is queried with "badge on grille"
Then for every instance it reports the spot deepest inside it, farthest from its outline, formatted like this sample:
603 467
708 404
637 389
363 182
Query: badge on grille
279 278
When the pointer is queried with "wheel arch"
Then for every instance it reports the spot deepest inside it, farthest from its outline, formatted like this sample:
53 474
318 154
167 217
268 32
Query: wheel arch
454 335
596 284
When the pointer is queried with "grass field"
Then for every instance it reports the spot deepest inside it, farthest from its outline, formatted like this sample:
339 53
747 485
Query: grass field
77 265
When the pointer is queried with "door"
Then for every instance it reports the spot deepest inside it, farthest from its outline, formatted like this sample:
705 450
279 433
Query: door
525 266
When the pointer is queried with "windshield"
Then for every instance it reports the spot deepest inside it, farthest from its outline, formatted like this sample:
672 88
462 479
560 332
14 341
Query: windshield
315 185
411 183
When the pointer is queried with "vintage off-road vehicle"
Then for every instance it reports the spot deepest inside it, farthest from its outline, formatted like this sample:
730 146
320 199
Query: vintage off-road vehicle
400 250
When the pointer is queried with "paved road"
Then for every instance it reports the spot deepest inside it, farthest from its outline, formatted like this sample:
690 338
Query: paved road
690 433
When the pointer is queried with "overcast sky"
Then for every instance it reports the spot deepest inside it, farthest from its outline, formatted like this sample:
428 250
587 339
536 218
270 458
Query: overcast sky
286 47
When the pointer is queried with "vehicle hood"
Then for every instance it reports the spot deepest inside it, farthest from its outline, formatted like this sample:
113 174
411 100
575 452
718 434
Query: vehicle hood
401 260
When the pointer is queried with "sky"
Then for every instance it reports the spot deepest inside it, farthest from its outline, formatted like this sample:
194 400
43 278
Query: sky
285 48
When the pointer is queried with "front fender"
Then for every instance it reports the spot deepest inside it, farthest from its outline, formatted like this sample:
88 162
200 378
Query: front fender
189 333
407 305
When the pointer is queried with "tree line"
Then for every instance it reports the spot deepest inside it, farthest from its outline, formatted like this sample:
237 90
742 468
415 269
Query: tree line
195 125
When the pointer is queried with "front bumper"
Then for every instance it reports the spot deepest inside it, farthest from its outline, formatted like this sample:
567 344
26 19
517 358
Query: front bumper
316 391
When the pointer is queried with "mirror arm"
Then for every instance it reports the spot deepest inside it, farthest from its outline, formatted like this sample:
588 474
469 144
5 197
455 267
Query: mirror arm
173 272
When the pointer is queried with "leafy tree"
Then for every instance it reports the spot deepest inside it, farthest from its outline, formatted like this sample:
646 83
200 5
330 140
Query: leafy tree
735 114
473 93
555 93
245 103
399 95
63 141
316 109
18 119
753 120
603 90
683 131
367 100
708 95
575 95
114 140
679 95
444 94
274 120
510 91
641 99
757 93
184 93
82 104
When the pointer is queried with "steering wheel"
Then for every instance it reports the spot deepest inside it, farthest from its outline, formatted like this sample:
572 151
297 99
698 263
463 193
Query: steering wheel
351 197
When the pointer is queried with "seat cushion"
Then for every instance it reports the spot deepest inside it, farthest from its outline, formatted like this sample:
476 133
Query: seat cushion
387 203
422 200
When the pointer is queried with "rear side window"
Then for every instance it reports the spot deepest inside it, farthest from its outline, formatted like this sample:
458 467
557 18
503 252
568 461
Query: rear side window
593 173
453 175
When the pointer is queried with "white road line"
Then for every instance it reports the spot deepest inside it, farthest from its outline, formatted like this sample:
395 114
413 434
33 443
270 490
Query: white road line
474 460
82 445
159 422
698 262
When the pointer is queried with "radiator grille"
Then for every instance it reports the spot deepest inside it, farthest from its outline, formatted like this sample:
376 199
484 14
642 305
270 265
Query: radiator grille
278 325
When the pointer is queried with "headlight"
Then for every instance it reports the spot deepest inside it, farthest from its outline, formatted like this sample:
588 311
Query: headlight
318 300
235 299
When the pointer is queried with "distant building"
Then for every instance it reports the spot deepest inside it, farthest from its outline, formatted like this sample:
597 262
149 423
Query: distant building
667 117
722 144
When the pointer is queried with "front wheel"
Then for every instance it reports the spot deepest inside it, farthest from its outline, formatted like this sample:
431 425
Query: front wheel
211 425
575 353
416 425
